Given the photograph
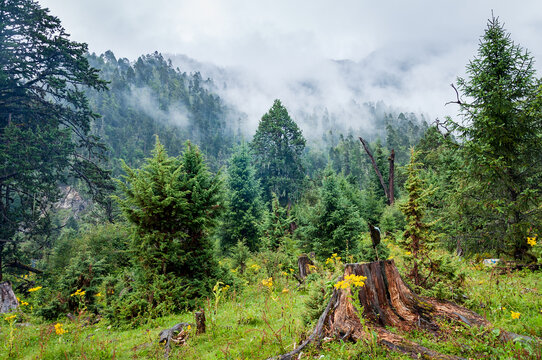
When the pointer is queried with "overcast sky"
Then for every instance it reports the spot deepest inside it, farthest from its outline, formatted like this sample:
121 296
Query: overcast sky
427 43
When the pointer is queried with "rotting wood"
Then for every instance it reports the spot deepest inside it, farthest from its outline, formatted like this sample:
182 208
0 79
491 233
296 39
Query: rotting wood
303 263
8 300
168 335
200 322
389 302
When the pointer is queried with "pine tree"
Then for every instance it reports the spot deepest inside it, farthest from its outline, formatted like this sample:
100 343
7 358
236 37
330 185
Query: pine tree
172 204
45 118
501 129
245 208
416 238
335 225
278 145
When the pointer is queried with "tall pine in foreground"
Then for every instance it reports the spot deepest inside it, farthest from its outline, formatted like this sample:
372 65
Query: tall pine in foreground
278 145
245 208
501 130
172 204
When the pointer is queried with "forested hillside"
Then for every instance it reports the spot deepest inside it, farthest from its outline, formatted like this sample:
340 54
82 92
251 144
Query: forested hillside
135 199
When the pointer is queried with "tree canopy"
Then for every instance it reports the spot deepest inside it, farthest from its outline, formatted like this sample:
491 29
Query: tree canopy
278 146
45 118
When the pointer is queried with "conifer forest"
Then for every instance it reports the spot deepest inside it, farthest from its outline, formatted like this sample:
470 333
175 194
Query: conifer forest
159 207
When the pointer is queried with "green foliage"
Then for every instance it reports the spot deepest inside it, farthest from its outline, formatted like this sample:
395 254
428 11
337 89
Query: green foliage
277 225
172 204
392 219
45 118
150 96
86 258
432 271
245 208
334 225
500 129
278 146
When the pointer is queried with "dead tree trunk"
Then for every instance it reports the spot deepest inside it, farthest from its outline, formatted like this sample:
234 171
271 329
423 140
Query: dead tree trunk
303 263
200 322
388 191
8 300
378 173
391 159
387 301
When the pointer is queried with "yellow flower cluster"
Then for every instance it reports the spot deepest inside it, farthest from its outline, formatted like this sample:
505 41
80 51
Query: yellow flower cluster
285 291
531 241
34 289
11 317
59 329
268 282
79 292
255 267
515 315
333 258
351 280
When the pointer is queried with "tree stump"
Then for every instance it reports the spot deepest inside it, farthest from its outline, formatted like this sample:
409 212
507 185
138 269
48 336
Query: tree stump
8 300
387 301
200 322
303 263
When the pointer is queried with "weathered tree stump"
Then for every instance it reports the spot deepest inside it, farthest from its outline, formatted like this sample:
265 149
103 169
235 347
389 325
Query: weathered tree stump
8 300
200 322
303 263
387 301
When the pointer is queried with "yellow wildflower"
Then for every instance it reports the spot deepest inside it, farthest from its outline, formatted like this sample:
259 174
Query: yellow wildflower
79 292
268 282
531 241
515 315
98 294
292 270
24 303
284 291
329 260
34 289
408 253
11 317
351 280
188 328
256 267
59 329
284 273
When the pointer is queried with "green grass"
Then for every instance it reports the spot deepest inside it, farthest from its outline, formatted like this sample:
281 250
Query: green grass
257 323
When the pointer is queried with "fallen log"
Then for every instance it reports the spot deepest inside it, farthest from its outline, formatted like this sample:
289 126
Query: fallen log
387 301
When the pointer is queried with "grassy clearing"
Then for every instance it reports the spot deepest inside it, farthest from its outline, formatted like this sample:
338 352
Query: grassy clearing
262 321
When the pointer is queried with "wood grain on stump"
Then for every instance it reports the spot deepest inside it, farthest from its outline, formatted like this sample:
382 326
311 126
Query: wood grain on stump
387 302
8 300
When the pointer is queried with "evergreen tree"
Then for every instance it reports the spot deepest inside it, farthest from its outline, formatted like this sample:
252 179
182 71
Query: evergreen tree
244 206
278 145
45 118
416 239
173 204
335 224
277 225
501 132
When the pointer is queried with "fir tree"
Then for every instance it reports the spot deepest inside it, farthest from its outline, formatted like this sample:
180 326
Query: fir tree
173 204
245 208
278 145
501 131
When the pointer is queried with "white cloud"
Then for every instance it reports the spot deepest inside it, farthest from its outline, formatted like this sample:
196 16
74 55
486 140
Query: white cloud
407 52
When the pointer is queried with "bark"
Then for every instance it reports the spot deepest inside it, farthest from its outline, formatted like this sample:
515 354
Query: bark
200 322
378 173
303 263
168 335
391 198
8 300
388 301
